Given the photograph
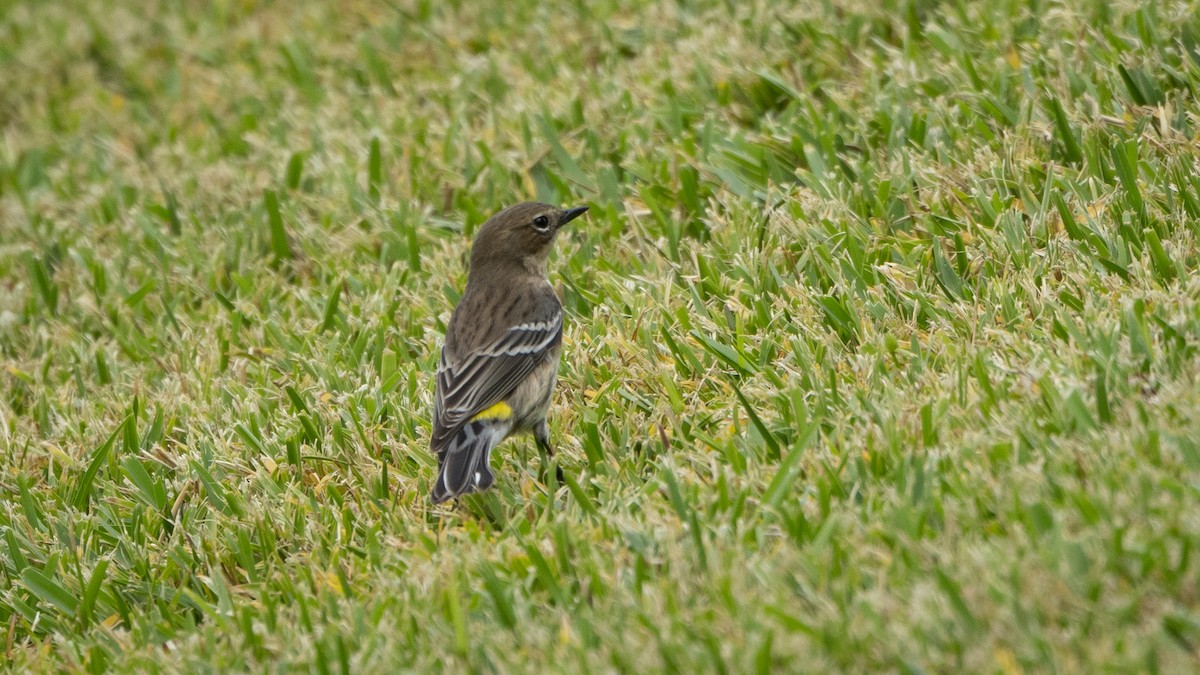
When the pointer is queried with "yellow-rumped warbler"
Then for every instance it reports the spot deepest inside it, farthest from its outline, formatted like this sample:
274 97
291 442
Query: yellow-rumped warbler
500 360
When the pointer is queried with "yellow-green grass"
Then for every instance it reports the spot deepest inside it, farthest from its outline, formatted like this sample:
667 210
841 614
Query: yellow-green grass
881 348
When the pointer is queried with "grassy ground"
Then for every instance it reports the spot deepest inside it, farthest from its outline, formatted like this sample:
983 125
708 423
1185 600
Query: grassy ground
882 342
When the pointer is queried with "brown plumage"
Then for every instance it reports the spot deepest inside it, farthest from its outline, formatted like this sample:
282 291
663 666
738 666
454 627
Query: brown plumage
500 358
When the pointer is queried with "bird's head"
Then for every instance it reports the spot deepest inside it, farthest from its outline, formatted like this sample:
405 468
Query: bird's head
521 234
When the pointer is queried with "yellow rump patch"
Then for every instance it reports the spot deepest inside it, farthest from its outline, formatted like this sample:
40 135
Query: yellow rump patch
500 411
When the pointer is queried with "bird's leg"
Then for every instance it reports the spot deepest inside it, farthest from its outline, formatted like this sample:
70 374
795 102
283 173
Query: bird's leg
541 434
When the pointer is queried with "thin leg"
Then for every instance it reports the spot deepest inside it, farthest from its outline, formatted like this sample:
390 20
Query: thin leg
541 434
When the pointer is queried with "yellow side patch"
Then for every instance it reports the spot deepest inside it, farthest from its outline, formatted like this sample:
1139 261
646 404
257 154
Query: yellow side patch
500 411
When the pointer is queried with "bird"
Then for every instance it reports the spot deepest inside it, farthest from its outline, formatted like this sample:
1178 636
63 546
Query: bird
499 360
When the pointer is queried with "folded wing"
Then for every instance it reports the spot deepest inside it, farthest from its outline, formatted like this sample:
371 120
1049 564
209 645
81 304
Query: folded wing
482 378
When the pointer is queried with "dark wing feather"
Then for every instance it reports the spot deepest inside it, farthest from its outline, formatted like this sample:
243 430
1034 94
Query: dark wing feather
487 375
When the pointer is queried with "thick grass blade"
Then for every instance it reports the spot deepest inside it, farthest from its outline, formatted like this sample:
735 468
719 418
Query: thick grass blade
92 591
294 172
49 590
375 170
1066 136
789 469
946 275
40 274
768 437
724 353
150 491
83 489
1125 161
279 239
1164 269
330 314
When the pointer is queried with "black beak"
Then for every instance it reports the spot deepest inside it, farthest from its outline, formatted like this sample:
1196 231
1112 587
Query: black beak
571 214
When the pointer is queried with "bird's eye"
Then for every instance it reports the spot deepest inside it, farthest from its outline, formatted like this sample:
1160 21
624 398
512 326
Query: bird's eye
541 223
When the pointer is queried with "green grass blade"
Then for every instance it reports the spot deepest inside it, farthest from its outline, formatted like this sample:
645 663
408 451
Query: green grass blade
279 239
49 590
83 489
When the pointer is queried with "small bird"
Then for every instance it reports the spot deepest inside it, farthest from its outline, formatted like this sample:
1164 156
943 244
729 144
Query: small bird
500 360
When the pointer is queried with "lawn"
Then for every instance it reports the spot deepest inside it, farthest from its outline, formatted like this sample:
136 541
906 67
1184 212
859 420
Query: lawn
882 347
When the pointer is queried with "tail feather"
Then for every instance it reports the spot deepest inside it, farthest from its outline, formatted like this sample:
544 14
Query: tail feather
464 463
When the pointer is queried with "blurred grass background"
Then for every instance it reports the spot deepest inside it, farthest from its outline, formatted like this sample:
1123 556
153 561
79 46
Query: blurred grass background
881 349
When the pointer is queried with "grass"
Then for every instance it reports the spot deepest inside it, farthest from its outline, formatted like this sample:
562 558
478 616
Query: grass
881 353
